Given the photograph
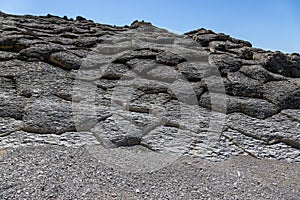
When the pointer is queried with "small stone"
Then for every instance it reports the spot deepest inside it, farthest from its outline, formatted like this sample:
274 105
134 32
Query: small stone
114 195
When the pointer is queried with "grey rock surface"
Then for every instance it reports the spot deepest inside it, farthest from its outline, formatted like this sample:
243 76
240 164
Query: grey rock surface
201 94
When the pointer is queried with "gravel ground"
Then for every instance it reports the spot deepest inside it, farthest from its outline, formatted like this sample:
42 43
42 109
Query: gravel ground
55 172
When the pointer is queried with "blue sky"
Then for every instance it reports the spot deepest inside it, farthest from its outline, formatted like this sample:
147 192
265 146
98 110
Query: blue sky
267 24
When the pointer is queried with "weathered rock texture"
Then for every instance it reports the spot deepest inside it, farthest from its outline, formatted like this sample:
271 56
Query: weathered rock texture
76 82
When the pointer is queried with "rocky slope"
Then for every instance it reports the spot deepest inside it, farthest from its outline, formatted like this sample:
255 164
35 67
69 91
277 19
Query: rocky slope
78 83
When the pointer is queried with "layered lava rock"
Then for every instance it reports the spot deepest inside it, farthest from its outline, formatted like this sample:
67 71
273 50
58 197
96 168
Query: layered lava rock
79 83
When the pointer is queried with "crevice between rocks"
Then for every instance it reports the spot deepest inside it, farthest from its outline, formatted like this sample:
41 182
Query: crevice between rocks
286 141
290 117
230 139
10 132
272 139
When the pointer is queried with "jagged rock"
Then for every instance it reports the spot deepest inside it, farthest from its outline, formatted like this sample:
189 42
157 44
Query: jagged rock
170 59
9 43
223 45
64 79
139 53
259 73
39 52
231 104
243 52
285 94
206 37
241 85
137 24
225 63
258 108
194 71
282 64
114 71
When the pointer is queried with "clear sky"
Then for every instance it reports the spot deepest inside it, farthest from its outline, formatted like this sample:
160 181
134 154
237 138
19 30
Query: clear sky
267 24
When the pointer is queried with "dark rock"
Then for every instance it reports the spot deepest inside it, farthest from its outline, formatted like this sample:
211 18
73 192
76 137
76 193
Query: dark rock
163 73
118 131
152 87
39 52
238 41
79 18
86 42
43 82
9 43
224 45
139 53
194 71
283 93
259 73
257 108
169 58
225 63
114 71
205 39
65 60
243 52
141 66
280 63
200 31
137 24
222 103
48 114
241 85
12 106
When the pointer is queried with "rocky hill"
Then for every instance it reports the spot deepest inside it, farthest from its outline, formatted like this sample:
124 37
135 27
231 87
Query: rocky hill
93 111
78 83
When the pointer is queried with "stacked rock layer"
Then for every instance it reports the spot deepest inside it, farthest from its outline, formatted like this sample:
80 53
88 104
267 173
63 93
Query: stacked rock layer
78 83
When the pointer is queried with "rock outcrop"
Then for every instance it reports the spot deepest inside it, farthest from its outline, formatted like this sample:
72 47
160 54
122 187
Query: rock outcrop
75 83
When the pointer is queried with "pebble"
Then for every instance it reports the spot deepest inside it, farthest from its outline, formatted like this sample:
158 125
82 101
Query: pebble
114 195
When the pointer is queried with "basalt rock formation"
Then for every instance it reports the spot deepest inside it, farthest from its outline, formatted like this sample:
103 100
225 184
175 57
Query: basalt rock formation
79 83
